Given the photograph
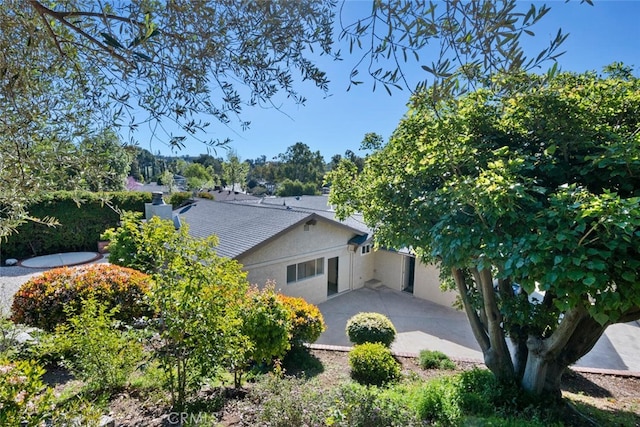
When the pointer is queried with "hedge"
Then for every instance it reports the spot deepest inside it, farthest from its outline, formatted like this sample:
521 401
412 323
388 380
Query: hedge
82 217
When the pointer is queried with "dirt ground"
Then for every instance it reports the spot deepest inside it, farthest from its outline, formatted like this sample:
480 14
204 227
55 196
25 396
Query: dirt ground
132 408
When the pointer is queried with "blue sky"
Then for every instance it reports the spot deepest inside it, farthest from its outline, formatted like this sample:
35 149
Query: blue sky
598 35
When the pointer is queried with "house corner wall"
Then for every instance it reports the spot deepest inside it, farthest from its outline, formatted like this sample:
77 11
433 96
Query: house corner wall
427 285
389 268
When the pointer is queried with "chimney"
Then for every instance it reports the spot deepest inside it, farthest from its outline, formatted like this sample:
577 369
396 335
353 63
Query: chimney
157 207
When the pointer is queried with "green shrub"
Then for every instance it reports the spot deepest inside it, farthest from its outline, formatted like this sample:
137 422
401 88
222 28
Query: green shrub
370 327
24 399
179 199
373 364
82 217
104 357
439 403
288 188
357 405
205 195
198 297
290 402
305 319
476 394
141 245
266 324
433 359
41 301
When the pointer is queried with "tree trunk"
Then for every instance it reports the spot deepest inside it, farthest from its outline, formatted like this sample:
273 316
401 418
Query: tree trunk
548 358
541 373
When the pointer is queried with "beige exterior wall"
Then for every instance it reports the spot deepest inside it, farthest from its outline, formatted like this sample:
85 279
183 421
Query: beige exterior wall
303 243
325 240
389 268
427 285
363 267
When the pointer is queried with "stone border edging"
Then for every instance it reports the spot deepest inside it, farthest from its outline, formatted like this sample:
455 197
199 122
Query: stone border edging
598 371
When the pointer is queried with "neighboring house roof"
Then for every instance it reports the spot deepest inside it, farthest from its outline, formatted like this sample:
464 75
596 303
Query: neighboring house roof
153 187
242 228
317 203
233 196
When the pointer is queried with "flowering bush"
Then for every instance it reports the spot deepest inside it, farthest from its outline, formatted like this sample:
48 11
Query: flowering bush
306 321
24 399
42 300
371 327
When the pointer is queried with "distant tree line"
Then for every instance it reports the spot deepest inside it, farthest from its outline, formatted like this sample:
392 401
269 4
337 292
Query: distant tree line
298 171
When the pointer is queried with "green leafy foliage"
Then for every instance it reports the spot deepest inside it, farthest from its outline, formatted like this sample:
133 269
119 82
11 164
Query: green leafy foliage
306 321
359 405
234 171
24 398
81 216
179 199
266 322
142 244
476 394
530 180
198 297
103 356
288 188
373 364
301 164
43 301
370 328
433 359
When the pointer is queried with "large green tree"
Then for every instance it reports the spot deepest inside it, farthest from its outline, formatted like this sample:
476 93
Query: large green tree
68 68
534 181
235 171
299 163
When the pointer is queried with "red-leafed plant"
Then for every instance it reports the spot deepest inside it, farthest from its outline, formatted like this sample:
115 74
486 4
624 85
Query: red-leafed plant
41 301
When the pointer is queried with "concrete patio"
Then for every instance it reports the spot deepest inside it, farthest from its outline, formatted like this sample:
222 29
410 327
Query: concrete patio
425 325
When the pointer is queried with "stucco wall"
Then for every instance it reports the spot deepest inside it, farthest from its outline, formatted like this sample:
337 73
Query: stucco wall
363 267
427 285
389 268
303 243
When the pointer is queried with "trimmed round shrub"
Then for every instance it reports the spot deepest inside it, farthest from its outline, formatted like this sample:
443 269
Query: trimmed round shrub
435 360
306 320
373 364
371 327
42 300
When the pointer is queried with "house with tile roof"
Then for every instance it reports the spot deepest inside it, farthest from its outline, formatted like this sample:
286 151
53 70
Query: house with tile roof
306 250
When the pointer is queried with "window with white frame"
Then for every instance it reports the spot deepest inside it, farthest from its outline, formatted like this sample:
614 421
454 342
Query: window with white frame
365 249
304 270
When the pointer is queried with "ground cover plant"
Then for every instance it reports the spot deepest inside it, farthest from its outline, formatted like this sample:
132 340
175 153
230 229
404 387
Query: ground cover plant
328 396
433 359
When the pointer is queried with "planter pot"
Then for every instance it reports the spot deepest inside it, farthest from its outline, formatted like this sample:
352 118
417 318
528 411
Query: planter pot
102 246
